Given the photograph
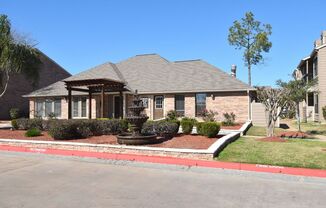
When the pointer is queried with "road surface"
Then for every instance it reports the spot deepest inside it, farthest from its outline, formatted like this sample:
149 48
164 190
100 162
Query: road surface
36 180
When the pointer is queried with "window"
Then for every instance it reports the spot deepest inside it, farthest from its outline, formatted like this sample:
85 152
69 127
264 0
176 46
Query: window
180 105
315 67
43 108
39 112
200 103
158 102
310 99
145 102
316 103
79 107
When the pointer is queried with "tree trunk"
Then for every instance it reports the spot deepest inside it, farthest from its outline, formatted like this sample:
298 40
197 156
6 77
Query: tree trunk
5 84
249 74
270 126
298 116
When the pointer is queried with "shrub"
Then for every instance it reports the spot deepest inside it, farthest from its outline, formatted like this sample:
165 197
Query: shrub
199 128
75 129
14 113
113 126
229 119
22 123
177 127
171 115
209 116
166 129
14 124
33 132
187 124
64 129
324 112
35 123
209 129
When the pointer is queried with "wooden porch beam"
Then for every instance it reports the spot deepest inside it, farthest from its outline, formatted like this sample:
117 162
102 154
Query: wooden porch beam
121 104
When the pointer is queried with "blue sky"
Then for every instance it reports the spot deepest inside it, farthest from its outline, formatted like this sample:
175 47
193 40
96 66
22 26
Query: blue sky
82 34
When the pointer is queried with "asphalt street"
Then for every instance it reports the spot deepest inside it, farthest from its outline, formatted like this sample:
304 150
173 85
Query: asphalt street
37 180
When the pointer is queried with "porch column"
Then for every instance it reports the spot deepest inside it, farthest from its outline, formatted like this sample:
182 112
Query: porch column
121 104
69 103
90 104
102 102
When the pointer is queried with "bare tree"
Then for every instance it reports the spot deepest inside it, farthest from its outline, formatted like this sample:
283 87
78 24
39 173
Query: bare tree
275 100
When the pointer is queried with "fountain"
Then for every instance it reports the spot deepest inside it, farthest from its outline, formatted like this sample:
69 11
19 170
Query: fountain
136 119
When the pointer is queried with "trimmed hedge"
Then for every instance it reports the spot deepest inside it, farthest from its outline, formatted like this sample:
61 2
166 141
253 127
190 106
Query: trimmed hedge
76 129
25 123
209 129
33 132
164 128
187 125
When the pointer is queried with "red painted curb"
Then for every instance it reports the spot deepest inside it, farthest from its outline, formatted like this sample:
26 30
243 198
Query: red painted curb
172 161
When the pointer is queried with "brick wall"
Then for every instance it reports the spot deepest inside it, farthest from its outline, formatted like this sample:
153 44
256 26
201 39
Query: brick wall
169 103
18 86
190 105
235 102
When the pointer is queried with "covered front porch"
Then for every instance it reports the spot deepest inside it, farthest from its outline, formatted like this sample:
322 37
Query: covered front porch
110 97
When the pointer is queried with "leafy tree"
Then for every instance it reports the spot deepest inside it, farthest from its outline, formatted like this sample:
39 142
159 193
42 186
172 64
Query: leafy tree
274 100
253 37
297 92
16 56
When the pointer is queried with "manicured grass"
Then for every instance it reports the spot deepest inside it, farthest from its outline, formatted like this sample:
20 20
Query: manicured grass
293 153
261 131
312 128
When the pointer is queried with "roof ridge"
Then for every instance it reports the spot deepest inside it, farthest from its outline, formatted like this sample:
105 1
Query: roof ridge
146 54
116 70
189 60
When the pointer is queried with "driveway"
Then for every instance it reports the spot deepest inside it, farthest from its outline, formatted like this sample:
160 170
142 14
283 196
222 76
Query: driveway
35 180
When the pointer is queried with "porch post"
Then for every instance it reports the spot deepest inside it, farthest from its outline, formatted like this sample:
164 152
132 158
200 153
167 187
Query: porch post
102 102
121 104
90 104
69 103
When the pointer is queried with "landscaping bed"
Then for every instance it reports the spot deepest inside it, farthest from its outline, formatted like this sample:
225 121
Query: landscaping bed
179 141
293 153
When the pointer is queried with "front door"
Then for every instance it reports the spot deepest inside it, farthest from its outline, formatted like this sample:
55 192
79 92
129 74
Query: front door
158 106
117 107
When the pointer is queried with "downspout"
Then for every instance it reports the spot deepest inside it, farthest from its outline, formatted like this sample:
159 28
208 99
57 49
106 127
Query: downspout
249 106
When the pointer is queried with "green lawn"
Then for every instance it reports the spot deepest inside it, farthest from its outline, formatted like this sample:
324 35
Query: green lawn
294 153
261 131
313 128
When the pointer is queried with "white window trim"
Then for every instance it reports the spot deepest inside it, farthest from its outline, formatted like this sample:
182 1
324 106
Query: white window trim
43 107
79 108
162 101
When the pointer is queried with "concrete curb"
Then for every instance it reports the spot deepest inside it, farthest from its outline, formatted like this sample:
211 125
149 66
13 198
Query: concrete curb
173 160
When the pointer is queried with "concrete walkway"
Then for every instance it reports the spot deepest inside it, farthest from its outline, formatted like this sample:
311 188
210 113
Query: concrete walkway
29 180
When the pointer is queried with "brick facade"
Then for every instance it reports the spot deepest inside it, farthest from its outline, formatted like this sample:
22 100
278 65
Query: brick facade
236 102
18 86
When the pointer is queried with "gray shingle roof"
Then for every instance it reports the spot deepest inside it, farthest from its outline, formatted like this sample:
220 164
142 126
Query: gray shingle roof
153 74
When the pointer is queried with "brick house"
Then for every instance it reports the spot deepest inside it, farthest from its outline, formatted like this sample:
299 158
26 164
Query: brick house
50 72
314 67
188 87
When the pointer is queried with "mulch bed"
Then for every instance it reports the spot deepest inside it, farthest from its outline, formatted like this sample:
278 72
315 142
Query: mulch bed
272 139
235 127
180 141
293 134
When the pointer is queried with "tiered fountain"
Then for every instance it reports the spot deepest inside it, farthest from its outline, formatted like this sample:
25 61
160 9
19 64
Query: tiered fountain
136 119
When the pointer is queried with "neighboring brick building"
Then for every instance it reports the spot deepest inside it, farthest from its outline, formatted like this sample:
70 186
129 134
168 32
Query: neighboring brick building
314 67
18 86
188 87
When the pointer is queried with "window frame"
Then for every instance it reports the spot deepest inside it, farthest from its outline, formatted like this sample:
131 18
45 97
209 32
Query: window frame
42 104
197 113
182 111
155 101
145 104
79 101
